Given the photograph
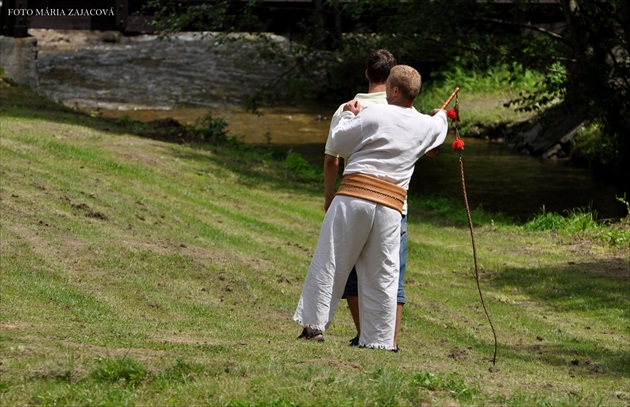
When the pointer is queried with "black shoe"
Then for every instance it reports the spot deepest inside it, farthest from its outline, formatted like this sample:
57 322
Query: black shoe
397 350
354 341
313 335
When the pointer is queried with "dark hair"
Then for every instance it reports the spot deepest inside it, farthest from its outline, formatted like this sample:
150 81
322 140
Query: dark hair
378 65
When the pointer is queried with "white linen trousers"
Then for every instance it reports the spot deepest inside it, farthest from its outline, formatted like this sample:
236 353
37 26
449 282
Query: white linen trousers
362 233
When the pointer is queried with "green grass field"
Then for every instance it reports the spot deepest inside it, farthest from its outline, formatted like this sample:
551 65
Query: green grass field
137 272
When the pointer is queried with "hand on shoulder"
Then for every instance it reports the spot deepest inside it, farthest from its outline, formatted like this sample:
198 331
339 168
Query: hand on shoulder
353 106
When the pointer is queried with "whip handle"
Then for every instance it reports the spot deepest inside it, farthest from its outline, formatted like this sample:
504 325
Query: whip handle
450 98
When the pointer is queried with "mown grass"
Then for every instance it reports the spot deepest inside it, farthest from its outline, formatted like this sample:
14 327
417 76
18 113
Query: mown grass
137 272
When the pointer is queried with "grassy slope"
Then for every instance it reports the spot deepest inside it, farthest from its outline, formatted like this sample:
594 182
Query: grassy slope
138 272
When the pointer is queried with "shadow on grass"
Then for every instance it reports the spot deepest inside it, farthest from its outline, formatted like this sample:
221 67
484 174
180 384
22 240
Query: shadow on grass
443 211
576 287
575 294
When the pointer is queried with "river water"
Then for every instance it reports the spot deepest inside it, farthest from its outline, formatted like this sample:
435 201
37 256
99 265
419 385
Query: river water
187 77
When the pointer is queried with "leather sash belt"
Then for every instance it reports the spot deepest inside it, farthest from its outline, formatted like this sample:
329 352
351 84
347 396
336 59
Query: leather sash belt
374 190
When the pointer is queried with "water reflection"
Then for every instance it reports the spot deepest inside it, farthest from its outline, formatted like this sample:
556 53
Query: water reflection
517 185
279 125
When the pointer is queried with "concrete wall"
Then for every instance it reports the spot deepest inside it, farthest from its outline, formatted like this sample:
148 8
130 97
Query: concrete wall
18 58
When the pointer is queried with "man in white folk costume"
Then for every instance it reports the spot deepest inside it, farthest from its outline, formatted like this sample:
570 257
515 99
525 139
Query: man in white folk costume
381 145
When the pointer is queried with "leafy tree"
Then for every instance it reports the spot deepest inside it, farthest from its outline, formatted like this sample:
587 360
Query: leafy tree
587 82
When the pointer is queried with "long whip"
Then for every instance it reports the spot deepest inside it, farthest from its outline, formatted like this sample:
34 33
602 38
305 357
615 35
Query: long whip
458 145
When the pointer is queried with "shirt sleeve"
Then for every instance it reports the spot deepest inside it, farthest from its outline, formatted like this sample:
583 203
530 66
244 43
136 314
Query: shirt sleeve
441 126
329 149
346 136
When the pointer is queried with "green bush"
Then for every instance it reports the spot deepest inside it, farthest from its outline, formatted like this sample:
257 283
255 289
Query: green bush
577 220
298 168
210 128
582 221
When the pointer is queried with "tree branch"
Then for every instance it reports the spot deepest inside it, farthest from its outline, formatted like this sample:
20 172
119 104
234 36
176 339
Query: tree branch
532 27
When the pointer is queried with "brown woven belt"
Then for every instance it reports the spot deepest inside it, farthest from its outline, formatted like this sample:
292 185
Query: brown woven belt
373 189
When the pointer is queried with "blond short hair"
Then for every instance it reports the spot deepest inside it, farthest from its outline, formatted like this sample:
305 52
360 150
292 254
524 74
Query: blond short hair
407 79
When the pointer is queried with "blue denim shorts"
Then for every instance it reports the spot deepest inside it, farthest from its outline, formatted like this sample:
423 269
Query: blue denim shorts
352 289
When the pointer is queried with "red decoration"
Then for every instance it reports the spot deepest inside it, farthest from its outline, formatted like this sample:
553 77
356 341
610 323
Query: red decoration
458 144
451 114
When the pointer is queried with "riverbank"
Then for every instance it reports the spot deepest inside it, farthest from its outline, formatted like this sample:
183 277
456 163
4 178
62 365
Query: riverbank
140 272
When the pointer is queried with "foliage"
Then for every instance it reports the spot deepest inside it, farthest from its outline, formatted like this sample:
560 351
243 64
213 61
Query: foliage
549 90
623 199
300 169
223 15
211 129
577 220
589 75
498 79
580 221
592 147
